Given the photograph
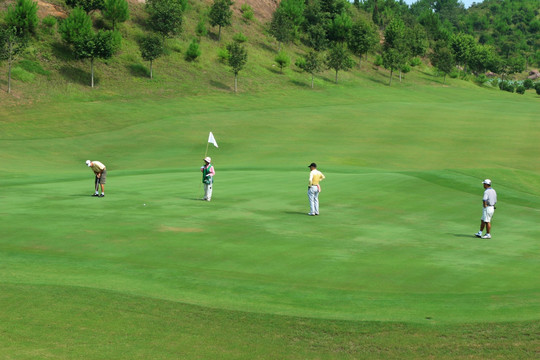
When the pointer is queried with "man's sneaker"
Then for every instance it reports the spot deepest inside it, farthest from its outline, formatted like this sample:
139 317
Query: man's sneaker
311 214
487 236
102 195
95 195
478 234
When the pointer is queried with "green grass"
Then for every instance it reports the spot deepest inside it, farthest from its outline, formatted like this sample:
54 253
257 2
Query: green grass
389 270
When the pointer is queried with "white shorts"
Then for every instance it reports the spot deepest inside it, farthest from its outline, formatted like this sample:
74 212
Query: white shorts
487 213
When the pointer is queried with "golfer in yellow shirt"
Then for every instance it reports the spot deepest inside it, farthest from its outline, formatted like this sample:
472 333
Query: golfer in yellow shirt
315 177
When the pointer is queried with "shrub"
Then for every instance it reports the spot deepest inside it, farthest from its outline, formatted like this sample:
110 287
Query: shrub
282 60
19 73
507 86
405 69
193 51
49 21
454 74
300 62
537 88
528 84
223 55
247 12
520 89
201 29
481 79
415 61
378 60
240 38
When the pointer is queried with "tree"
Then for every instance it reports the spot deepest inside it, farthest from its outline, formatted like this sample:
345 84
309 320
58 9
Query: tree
193 51
10 46
76 25
392 59
282 60
166 16
116 11
237 59
416 40
281 27
462 46
220 14
443 60
23 17
151 48
362 38
338 58
200 29
87 5
294 10
312 64
316 37
395 50
100 45
340 28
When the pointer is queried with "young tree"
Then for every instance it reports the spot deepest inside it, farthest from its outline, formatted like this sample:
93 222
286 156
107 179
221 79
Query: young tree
87 5
362 39
282 60
10 46
317 37
338 58
116 11
462 46
340 28
220 14
77 24
166 16
237 59
23 17
281 27
151 48
392 59
200 29
100 45
193 51
443 60
312 64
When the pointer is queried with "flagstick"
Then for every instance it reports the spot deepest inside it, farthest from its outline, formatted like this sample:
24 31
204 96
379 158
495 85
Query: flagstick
206 152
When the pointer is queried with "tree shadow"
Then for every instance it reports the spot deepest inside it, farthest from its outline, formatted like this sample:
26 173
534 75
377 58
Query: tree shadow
274 70
219 85
301 83
62 51
266 47
138 70
77 75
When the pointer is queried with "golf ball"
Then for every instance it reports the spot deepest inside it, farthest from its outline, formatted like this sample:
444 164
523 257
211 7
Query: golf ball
144 204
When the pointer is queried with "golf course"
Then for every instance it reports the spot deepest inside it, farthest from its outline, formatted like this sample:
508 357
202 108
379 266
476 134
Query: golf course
390 268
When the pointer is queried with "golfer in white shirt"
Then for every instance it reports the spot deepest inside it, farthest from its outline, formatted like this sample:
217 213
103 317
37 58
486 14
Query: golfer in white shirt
489 200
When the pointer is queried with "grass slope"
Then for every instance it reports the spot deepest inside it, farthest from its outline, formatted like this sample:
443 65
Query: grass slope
389 269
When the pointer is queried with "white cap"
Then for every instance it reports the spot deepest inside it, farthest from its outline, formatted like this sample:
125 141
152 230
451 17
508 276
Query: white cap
88 162
208 159
487 181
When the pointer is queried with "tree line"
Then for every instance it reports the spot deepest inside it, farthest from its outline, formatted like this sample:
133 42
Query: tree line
498 36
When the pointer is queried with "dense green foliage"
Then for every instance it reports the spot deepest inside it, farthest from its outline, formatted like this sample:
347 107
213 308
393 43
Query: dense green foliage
220 14
116 11
166 16
23 17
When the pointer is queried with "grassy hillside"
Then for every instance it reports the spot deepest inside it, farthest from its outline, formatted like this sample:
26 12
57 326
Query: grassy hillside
390 268
47 71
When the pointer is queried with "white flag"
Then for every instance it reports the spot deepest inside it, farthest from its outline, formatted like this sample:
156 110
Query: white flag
212 140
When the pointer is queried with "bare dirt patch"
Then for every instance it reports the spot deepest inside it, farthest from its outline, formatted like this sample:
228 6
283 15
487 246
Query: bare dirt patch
45 8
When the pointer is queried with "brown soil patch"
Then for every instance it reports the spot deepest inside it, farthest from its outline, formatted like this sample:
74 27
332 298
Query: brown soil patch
164 228
45 8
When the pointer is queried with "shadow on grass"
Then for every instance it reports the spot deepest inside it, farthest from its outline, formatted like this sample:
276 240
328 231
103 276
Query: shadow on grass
266 47
296 213
77 75
274 70
138 70
463 236
301 83
219 85
62 52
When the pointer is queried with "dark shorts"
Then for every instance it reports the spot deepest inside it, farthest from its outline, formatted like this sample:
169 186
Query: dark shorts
103 177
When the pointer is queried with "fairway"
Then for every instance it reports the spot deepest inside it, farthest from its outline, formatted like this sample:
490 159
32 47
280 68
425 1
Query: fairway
394 242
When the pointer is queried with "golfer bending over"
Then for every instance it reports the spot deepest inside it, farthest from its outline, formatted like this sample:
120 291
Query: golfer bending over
101 176
489 200
208 173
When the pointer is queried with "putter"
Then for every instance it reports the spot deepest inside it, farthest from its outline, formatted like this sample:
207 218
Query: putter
97 185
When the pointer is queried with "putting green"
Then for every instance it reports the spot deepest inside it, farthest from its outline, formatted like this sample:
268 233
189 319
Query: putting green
399 206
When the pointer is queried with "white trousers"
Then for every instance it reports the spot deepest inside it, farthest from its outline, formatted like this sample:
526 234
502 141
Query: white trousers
313 196
207 192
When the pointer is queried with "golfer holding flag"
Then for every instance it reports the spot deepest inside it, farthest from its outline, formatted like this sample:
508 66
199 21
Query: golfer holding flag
208 171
